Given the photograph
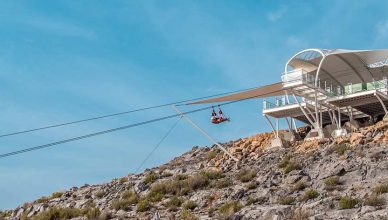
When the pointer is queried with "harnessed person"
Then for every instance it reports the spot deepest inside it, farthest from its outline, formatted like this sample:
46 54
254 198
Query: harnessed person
216 119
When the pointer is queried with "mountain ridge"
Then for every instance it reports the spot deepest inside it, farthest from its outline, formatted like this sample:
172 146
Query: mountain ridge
342 178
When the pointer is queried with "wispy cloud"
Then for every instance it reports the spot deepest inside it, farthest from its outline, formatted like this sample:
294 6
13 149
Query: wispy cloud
229 54
278 14
382 30
296 42
59 27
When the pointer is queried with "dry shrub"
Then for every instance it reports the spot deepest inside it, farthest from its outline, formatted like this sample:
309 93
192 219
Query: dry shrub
375 200
331 183
229 208
143 205
287 200
187 215
223 183
246 175
150 178
190 205
381 189
300 214
299 186
310 194
348 202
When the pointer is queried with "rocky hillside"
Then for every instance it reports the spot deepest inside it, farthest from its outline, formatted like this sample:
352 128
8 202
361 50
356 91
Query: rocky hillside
344 178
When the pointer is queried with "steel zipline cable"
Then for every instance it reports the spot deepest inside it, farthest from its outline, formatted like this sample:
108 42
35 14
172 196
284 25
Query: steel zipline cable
135 124
343 73
120 113
158 145
98 133
25 150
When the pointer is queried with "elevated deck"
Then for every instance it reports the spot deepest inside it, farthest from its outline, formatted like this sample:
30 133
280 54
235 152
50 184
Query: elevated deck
366 102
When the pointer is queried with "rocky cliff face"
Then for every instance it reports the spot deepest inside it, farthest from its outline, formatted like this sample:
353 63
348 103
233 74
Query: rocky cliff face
344 178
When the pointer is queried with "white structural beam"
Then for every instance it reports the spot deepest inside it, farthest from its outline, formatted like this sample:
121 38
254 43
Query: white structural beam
312 114
335 119
289 124
381 102
270 124
204 133
316 85
339 118
304 112
331 117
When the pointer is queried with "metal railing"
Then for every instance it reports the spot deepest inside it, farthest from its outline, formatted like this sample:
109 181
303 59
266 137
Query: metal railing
304 77
359 87
295 75
280 102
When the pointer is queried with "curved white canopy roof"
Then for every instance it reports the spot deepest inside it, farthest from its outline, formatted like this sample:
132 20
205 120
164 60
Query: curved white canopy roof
341 66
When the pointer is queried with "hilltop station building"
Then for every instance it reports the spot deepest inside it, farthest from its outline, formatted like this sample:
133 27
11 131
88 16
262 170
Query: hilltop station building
334 91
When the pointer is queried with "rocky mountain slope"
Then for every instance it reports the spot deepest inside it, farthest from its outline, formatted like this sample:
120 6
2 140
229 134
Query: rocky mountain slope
344 178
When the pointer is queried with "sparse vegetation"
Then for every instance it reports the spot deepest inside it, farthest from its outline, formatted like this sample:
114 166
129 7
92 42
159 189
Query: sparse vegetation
187 215
212 174
123 180
211 155
143 205
183 184
56 195
381 189
348 202
299 214
190 205
286 181
229 208
223 183
251 201
251 185
4 214
246 175
129 195
100 194
287 200
128 198
375 200
90 204
299 186
284 162
43 199
211 211
104 216
174 202
332 183
93 213
341 149
197 181
166 174
360 153
150 178
181 177
292 166
310 194
58 213
288 165
157 191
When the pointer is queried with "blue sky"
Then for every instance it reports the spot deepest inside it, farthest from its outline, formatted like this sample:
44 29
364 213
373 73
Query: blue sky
68 60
